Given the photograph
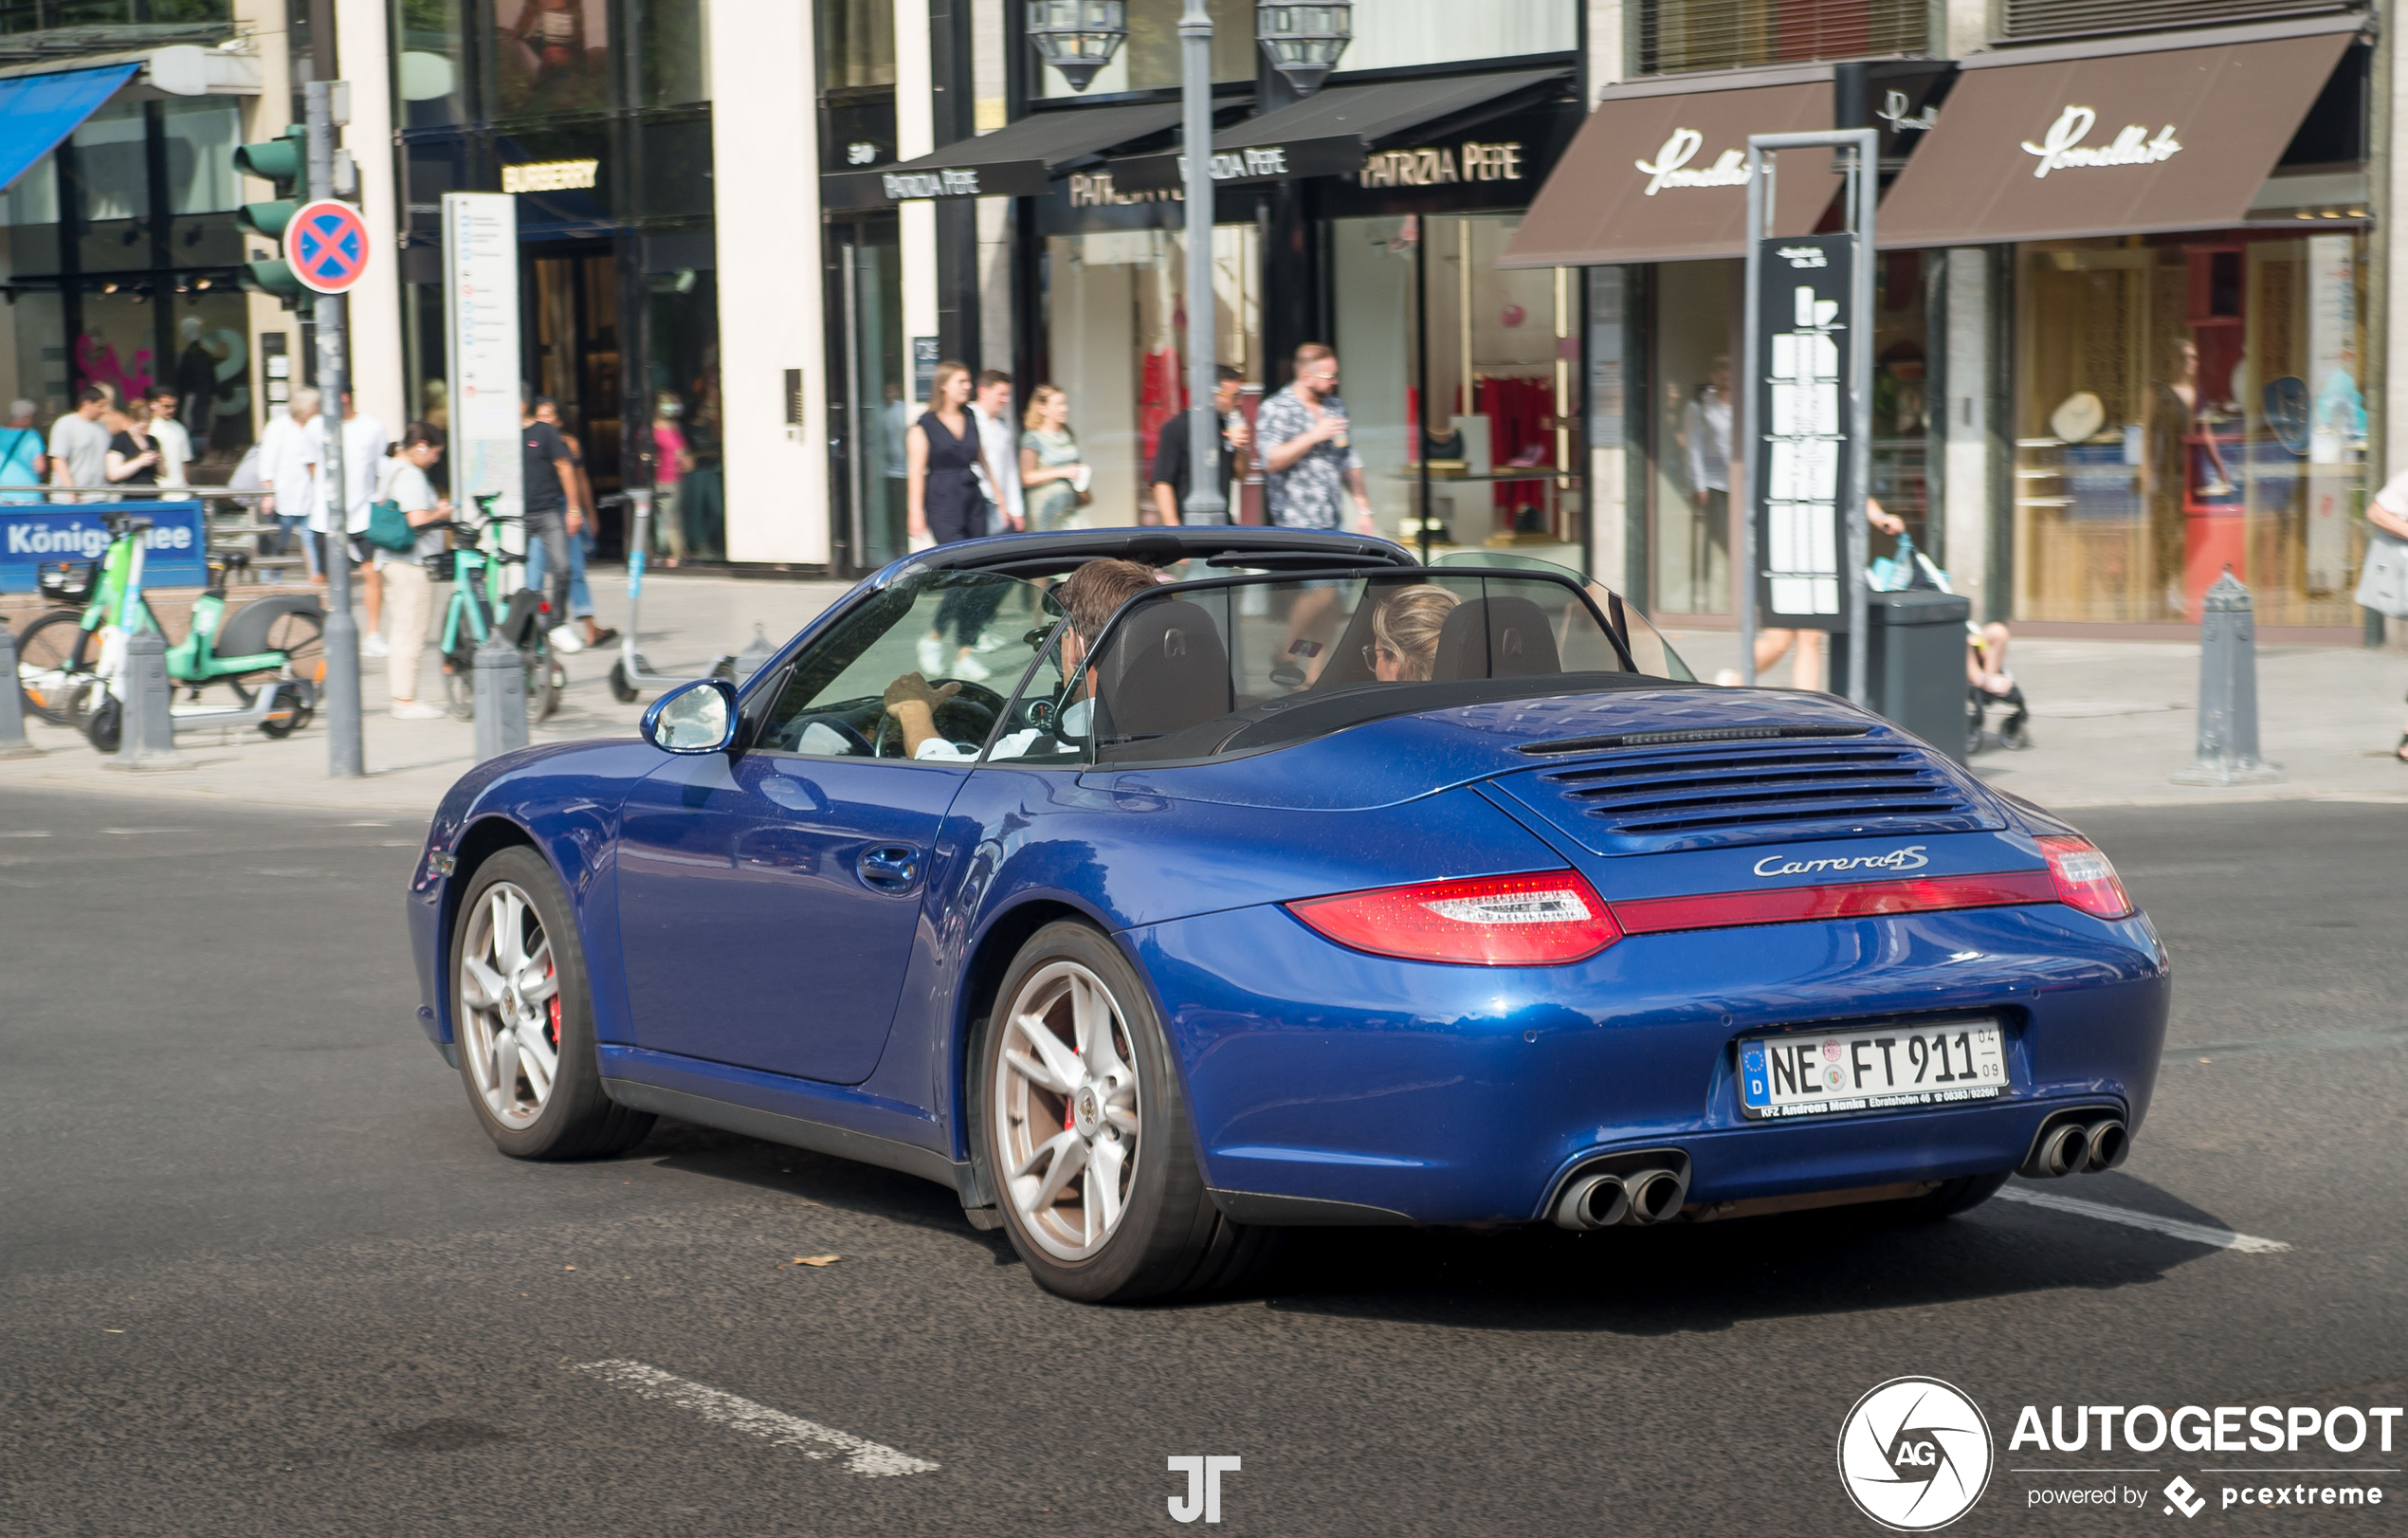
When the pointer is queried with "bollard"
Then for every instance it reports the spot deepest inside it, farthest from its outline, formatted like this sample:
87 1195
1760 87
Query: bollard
753 657
499 689
146 730
2228 692
13 740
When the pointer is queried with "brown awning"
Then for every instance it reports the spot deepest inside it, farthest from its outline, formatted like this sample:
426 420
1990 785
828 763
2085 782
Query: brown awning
1658 177
2116 144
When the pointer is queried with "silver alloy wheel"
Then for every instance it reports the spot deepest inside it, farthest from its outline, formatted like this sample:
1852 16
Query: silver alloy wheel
1065 1109
510 1006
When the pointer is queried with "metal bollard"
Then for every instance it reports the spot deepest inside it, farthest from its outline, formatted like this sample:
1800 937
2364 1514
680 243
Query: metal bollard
755 656
147 732
12 740
498 687
2228 692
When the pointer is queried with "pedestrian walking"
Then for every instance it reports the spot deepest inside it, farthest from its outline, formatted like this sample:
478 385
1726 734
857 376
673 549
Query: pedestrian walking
672 459
410 586
999 471
1806 661
20 457
2383 584
947 505
80 445
1054 472
1173 464
174 442
580 543
289 475
364 445
549 482
133 458
1311 468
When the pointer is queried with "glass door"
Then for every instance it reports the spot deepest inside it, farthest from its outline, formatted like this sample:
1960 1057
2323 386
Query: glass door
869 405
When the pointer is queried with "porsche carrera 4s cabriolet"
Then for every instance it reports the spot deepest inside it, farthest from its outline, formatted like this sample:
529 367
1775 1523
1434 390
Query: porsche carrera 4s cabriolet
1300 884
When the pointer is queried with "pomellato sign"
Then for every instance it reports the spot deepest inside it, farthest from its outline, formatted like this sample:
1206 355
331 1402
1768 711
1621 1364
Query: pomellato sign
1669 166
2062 148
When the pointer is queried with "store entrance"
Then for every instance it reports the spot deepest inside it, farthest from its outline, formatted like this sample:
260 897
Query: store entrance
571 308
869 395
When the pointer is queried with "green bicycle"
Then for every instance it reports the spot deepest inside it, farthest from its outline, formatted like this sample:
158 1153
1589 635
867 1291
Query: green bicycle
476 610
68 660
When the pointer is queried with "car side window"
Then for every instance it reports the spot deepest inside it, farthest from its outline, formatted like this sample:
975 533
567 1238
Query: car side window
970 629
1047 725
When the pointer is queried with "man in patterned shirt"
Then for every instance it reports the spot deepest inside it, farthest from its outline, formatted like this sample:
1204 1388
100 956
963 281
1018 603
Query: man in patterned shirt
1302 432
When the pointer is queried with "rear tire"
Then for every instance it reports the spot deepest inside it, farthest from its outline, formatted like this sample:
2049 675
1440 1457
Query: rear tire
522 1018
1962 1194
54 666
104 728
1162 1237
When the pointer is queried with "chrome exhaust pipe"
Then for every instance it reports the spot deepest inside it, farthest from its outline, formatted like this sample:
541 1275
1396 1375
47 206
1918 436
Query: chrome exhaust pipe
2110 1142
2059 1150
1656 1195
1593 1201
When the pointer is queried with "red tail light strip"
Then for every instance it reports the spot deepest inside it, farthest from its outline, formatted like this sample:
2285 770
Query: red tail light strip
1795 905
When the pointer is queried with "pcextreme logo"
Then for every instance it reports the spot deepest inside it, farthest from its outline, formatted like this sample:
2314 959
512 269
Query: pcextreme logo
1914 1454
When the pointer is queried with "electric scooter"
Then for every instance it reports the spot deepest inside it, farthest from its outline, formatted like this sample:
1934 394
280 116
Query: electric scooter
631 674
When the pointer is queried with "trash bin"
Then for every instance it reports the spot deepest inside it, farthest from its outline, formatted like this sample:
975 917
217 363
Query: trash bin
1915 655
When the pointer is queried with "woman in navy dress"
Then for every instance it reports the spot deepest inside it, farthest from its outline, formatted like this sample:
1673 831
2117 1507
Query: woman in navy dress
946 503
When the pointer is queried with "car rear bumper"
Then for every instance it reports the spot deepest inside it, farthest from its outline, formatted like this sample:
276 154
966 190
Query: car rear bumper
1439 1093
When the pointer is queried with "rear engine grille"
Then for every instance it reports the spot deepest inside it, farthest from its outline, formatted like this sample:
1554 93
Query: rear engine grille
1773 789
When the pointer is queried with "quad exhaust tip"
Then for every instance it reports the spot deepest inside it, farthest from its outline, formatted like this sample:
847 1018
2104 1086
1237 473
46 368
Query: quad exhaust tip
1653 1190
2077 1143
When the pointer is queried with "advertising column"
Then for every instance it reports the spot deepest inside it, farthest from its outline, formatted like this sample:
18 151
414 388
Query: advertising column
1801 478
480 290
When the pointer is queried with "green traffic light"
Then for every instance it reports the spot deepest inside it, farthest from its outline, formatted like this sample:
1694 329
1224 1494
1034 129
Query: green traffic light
266 220
276 279
281 160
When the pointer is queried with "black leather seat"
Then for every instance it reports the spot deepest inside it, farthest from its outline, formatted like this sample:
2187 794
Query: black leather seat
1164 669
1504 637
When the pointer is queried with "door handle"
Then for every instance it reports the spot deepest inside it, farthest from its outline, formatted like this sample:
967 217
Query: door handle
889 867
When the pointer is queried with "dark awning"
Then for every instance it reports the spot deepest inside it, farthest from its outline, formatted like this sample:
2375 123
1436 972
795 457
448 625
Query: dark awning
1016 161
1658 172
2176 131
37 111
1329 134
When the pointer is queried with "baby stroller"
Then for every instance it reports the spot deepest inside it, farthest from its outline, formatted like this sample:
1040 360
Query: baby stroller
1911 568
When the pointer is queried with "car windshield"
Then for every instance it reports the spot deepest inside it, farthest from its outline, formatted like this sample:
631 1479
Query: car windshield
1237 665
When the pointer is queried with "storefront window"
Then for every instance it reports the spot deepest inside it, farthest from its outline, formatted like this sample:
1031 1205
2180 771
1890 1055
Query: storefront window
1695 464
676 42
1678 35
682 353
1116 330
430 66
1149 60
1902 419
1396 33
2185 404
210 366
110 162
32 209
856 44
551 56
36 354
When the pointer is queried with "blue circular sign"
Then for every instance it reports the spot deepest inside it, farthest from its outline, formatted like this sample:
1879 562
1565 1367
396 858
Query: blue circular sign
326 245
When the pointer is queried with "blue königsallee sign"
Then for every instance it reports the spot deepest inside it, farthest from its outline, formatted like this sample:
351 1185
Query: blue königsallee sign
34 534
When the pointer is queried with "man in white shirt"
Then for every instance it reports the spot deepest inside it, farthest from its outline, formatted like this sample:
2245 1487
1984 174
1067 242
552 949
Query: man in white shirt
364 445
175 445
80 447
287 471
1000 442
1093 594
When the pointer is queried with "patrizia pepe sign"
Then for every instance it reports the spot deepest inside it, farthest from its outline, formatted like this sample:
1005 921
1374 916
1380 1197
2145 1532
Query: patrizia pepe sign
2063 149
1668 169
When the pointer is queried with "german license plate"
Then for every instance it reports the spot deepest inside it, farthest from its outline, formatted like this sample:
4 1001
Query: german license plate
1809 1073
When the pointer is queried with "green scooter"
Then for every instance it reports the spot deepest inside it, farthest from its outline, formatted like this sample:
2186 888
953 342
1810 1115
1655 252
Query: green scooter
269 652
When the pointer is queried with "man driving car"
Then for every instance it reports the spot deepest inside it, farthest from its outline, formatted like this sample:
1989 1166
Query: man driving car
1089 598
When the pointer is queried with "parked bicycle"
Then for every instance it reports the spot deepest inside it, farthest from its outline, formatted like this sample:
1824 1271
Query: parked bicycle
69 661
476 610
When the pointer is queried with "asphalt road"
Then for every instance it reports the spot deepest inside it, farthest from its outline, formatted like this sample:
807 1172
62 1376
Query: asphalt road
260 1272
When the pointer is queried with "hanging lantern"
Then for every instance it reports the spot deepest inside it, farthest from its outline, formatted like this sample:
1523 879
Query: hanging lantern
1304 42
1078 37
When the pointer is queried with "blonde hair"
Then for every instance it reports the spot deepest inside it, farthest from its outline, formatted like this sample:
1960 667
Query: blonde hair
1409 623
1033 418
944 377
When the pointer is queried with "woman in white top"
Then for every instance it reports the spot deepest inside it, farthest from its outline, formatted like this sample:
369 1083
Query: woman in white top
410 594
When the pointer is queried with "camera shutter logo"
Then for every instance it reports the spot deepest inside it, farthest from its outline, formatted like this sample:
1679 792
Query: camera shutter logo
1915 1454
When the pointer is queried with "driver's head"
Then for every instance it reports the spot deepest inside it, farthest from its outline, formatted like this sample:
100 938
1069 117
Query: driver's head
1090 598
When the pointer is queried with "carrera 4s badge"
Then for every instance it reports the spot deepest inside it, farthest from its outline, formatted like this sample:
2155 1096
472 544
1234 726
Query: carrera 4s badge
1909 859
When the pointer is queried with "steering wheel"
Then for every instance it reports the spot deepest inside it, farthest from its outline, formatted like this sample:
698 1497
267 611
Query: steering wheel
967 716
855 742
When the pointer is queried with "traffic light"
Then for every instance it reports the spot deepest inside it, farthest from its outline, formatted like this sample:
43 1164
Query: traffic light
281 162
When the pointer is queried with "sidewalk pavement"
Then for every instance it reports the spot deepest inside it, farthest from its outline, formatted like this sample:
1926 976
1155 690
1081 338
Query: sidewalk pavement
2112 720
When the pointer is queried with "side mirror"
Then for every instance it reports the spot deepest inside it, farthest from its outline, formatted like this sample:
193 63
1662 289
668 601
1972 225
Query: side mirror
693 718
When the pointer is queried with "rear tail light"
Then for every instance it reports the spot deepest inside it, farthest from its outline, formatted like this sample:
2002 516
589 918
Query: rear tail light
1546 918
2084 877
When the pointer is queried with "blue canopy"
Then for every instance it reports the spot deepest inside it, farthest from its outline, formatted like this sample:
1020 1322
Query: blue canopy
37 111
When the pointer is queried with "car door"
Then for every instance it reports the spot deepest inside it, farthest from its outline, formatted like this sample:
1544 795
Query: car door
769 899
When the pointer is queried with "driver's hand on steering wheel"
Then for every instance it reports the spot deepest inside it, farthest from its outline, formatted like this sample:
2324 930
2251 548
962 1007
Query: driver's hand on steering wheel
913 690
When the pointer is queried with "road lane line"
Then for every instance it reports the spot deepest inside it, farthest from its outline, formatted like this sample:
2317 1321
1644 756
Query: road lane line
738 1414
2221 1238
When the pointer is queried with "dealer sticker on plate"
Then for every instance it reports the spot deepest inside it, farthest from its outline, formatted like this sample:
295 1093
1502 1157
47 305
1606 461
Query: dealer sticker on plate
1807 1074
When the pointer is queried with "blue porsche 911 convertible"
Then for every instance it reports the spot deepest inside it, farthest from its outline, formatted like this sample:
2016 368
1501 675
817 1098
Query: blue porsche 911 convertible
1160 890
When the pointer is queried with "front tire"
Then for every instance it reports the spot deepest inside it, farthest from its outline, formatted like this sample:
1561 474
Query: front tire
54 667
1084 1128
523 1018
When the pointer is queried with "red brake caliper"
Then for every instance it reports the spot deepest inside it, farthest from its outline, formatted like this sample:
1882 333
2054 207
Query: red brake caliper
551 1008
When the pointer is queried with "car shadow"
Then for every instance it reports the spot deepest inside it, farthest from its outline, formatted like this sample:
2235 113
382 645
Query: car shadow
1682 1278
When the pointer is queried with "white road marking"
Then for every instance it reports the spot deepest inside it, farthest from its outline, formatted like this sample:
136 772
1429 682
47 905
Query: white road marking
739 1413
2221 1239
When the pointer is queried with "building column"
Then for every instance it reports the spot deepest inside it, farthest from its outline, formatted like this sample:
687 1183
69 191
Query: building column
364 56
1617 549
915 136
771 333
1965 471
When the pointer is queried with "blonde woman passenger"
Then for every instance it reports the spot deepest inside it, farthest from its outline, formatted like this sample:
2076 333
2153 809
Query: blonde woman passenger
1405 630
